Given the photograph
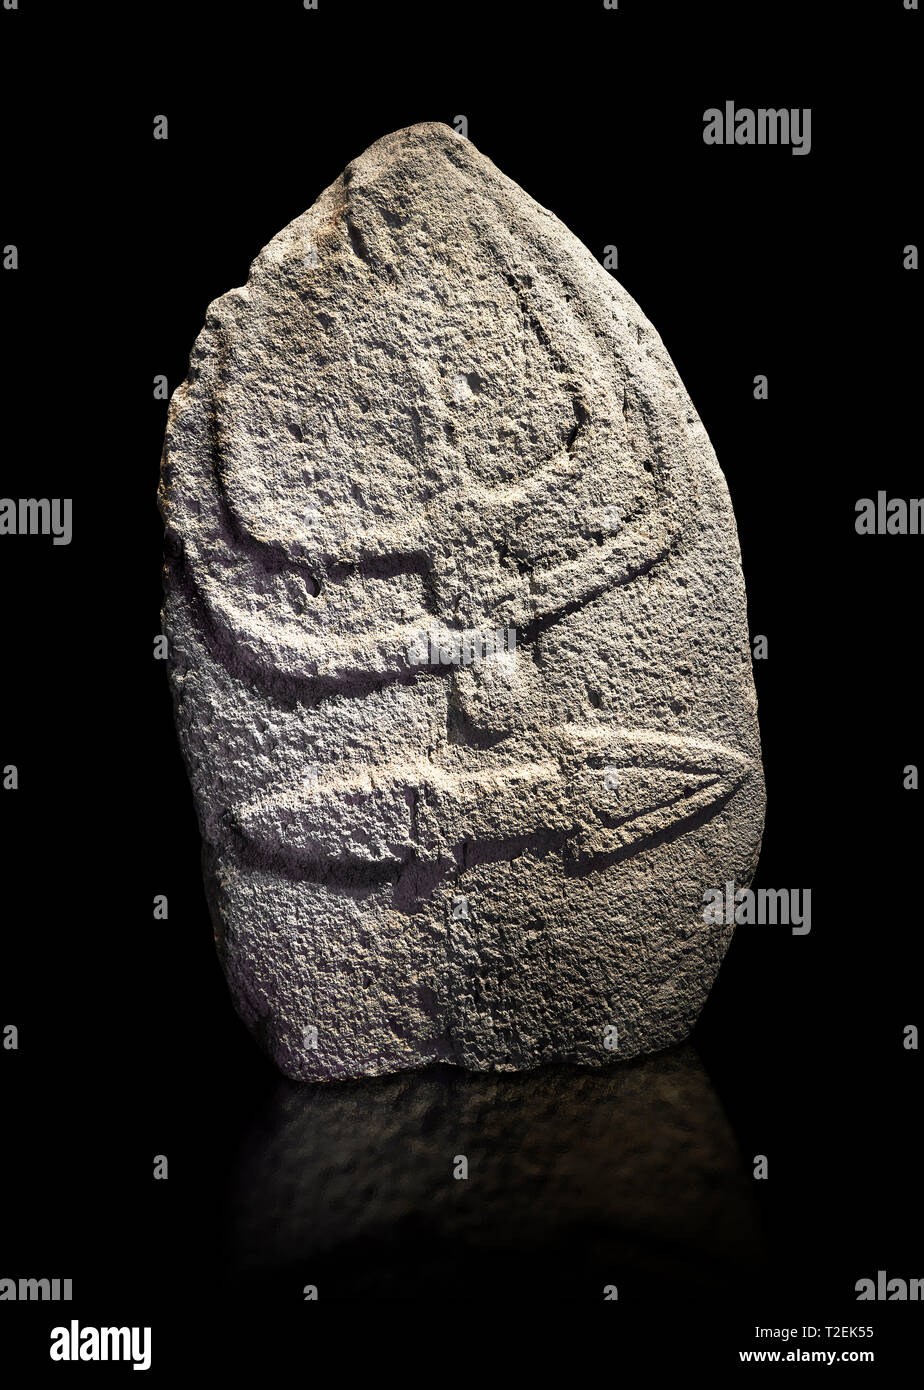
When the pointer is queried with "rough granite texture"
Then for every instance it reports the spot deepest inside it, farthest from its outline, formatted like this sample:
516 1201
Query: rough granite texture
431 413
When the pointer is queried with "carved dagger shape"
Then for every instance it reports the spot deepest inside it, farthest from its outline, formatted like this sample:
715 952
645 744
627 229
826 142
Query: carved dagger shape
604 790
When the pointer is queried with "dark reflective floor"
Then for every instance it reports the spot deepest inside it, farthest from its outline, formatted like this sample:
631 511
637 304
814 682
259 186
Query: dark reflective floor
577 1180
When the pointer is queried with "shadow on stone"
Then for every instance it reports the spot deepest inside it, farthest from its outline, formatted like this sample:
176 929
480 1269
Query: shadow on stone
577 1179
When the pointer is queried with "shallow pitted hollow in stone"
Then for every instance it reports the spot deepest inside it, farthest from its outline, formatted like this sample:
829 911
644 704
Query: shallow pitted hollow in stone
458 643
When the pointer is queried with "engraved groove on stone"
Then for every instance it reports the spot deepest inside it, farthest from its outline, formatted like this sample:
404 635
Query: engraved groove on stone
430 408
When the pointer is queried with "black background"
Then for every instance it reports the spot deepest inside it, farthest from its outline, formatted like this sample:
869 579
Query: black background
747 261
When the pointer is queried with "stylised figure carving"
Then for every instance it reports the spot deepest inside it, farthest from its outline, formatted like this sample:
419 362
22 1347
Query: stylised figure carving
430 417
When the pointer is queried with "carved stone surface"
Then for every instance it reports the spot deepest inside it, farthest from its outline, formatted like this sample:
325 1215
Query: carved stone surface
458 643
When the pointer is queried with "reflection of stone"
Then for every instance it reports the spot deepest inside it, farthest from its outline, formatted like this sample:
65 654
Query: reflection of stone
576 1179
453 420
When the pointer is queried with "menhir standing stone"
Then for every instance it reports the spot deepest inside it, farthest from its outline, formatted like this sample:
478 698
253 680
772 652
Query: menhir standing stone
458 641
